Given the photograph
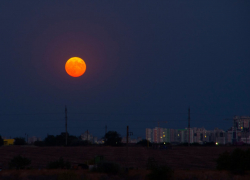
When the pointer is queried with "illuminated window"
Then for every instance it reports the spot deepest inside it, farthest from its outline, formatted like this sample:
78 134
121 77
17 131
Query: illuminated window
178 135
163 135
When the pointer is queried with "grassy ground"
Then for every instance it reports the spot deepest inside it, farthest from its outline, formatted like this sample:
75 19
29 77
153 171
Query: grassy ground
139 174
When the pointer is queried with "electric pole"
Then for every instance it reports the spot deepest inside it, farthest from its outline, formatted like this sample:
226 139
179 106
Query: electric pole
128 134
87 135
66 132
105 133
189 126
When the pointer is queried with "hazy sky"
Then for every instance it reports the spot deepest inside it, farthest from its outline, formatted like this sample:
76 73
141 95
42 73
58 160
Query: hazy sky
147 61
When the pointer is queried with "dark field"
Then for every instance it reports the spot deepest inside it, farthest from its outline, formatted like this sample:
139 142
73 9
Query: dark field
188 163
186 158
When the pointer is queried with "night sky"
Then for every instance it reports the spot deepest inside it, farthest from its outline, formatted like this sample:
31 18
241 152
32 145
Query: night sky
147 61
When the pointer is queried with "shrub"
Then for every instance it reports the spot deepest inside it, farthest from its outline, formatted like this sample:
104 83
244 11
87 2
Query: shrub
19 141
67 176
59 164
1 141
144 143
39 143
107 167
237 162
19 162
160 172
151 163
223 162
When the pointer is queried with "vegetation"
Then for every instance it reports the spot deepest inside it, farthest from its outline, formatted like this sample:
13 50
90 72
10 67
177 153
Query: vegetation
107 167
1 140
59 140
161 172
19 162
144 143
158 172
39 143
237 162
112 138
59 164
68 176
19 141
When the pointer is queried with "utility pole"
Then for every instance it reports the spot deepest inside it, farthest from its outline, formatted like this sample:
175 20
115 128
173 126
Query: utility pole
189 126
128 134
27 137
87 135
105 133
66 132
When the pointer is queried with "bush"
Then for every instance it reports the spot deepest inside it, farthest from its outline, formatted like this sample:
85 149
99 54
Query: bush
151 163
19 162
39 143
19 141
144 143
107 167
67 176
1 141
59 164
237 162
160 172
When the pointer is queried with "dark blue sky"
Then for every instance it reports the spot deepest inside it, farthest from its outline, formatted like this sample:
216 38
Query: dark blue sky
147 61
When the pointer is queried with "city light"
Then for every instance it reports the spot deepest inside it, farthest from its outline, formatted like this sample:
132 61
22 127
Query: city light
216 143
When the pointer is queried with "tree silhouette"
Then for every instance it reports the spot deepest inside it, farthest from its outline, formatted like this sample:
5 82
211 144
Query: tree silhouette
1 140
19 141
112 138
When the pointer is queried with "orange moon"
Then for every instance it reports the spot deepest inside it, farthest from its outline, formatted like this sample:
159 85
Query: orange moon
75 67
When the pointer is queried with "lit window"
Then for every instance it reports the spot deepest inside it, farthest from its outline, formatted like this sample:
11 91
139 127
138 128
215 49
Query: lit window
178 135
163 135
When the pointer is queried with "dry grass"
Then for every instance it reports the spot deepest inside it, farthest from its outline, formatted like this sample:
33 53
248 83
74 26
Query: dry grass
187 158
139 174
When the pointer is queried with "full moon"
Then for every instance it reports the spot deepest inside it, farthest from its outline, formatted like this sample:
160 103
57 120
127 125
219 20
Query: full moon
75 67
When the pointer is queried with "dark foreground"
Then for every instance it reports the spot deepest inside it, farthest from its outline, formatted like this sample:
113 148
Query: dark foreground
186 158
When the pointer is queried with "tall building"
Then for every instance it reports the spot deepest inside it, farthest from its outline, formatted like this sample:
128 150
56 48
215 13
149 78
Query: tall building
149 134
241 123
87 136
166 135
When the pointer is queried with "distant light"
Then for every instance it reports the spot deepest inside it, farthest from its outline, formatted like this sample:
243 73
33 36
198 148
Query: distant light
161 137
164 135
116 142
216 143
164 143
178 135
